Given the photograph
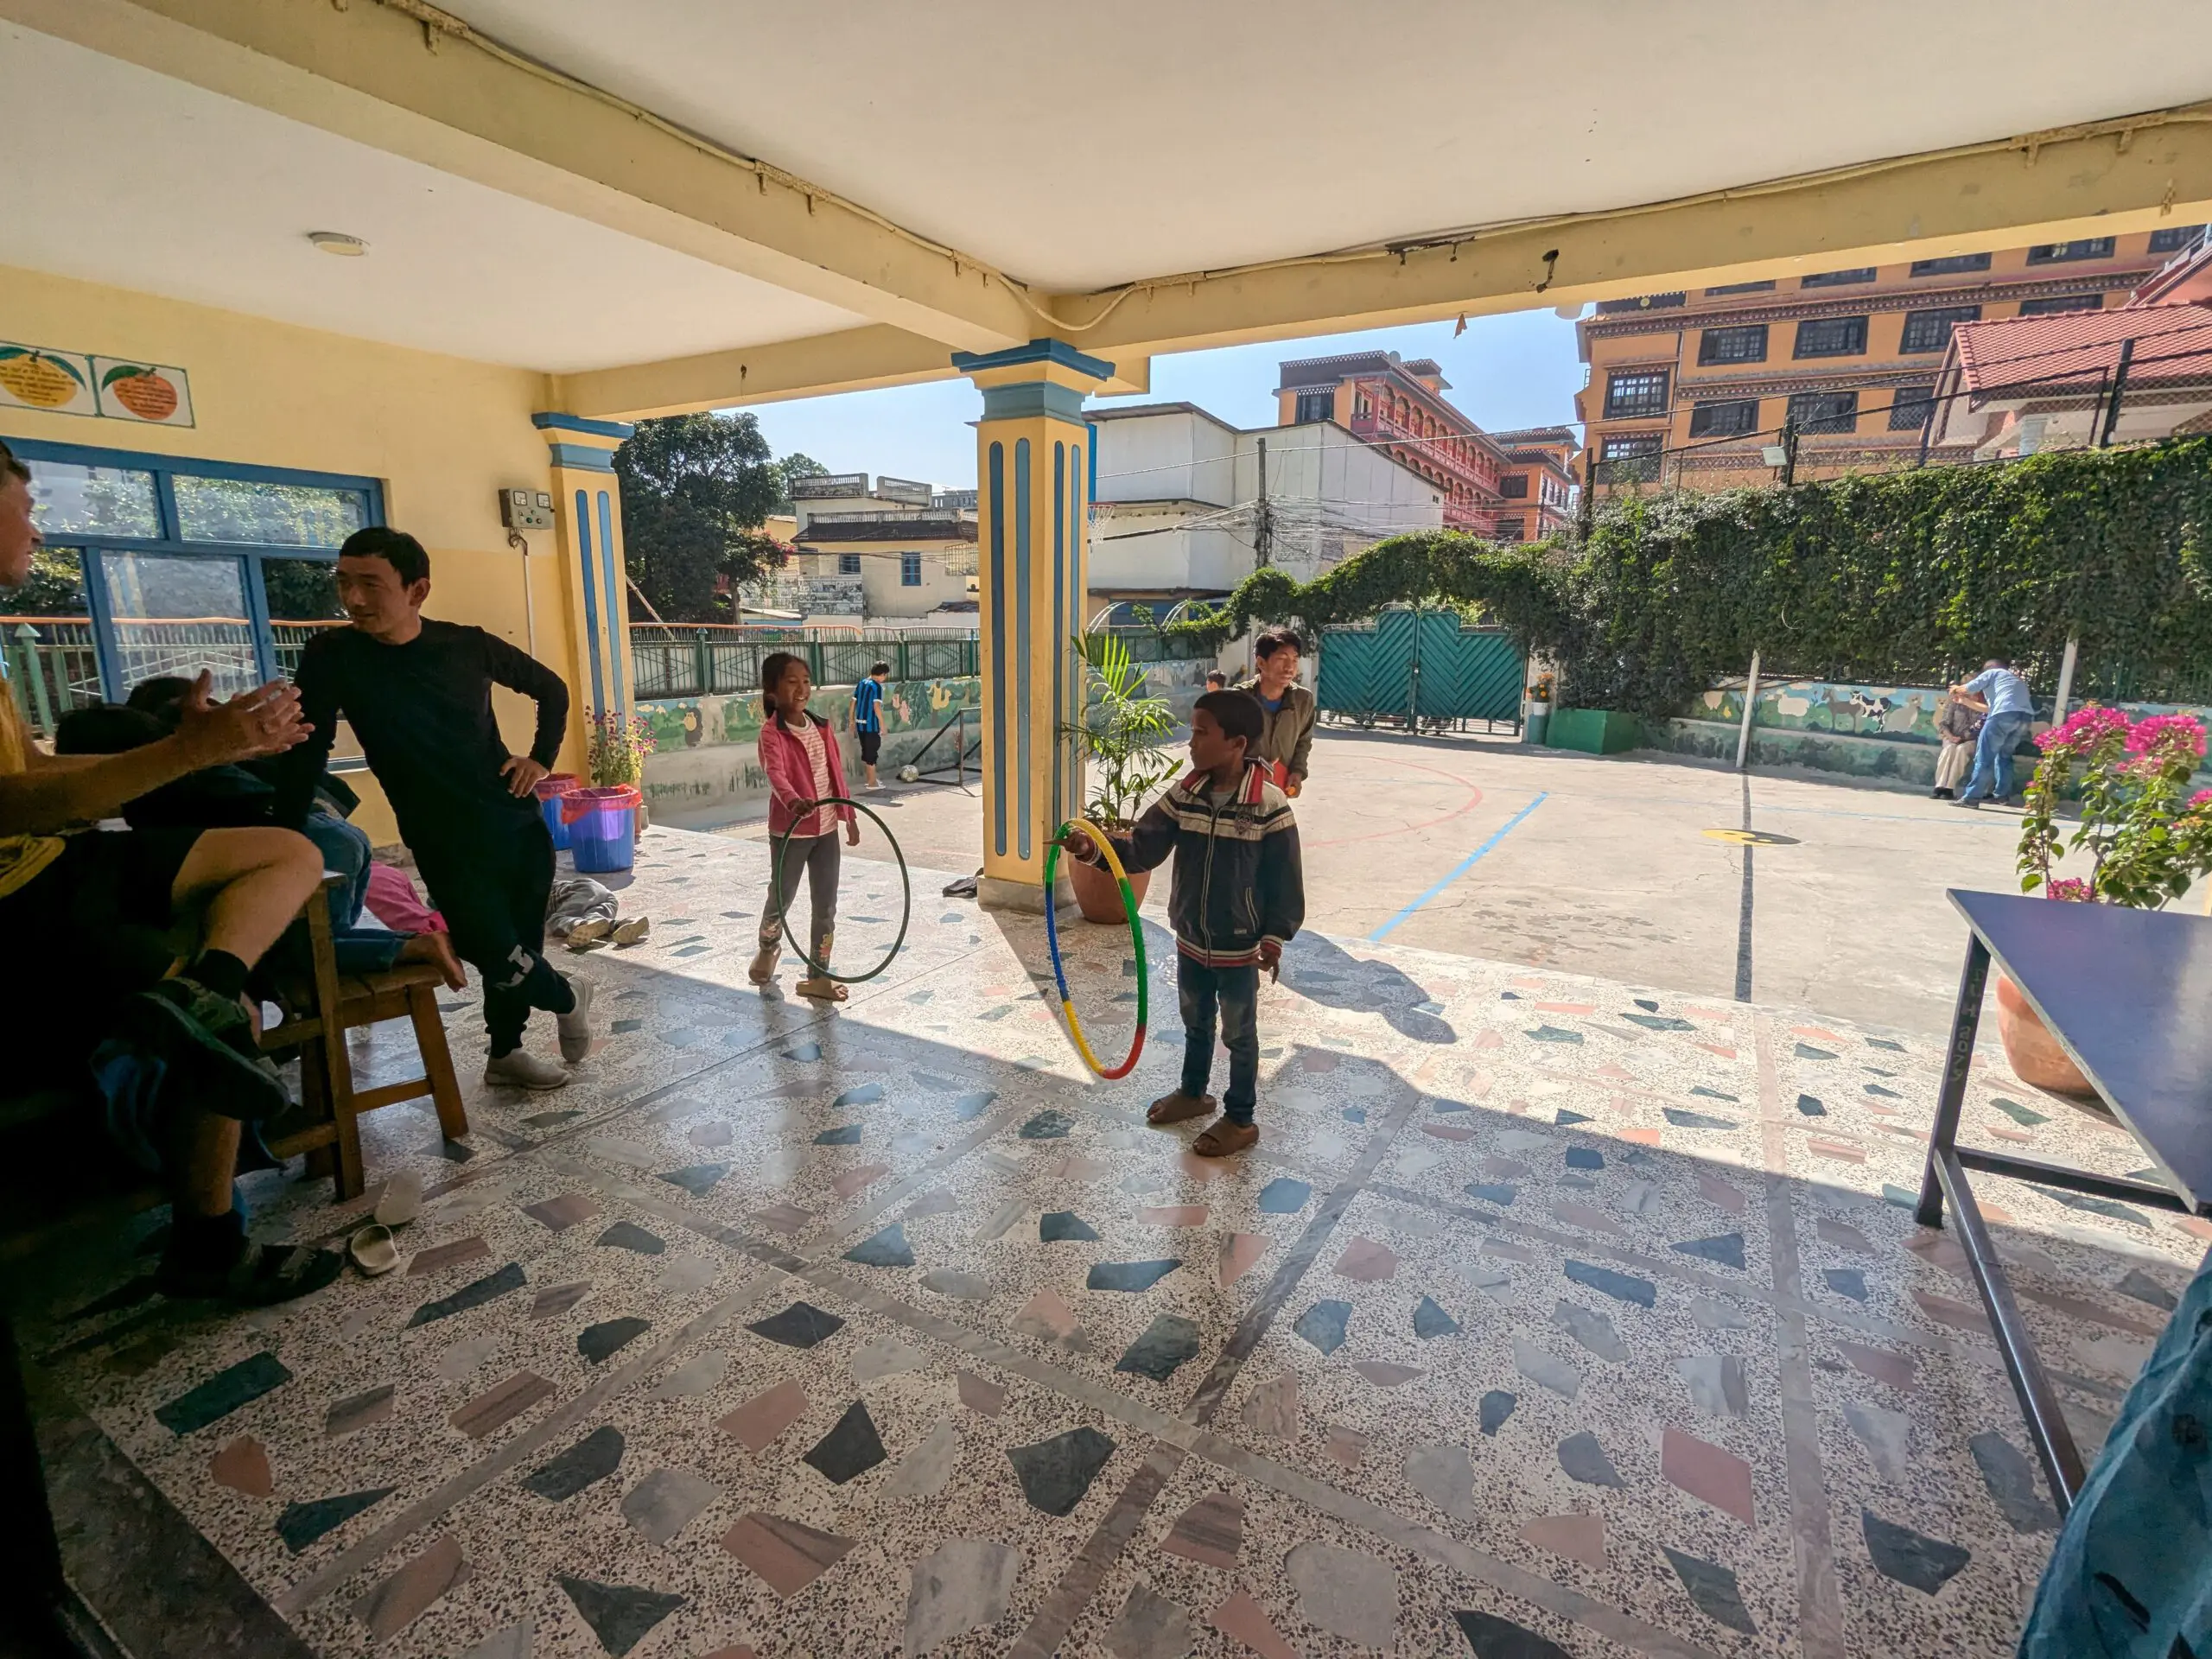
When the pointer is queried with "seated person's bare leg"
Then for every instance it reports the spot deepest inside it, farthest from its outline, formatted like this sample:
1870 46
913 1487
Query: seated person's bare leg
248 884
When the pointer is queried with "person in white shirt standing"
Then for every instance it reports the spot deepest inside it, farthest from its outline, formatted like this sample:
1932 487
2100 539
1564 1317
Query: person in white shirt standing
2012 716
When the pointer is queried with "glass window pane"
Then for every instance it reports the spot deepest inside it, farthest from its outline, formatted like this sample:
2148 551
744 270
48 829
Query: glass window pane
266 515
303 596
179 616
72 501
48 636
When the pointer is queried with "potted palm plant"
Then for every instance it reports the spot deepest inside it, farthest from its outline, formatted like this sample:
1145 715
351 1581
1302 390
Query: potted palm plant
2147 835
1122 737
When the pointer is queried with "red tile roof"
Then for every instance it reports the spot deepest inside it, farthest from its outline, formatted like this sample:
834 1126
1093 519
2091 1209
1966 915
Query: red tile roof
2081 349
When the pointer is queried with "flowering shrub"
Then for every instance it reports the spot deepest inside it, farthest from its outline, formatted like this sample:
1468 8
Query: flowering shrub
619 745
2146 840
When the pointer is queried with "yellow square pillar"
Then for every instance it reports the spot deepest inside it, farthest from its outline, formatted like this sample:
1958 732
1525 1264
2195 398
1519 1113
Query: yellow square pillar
1031 468
588 509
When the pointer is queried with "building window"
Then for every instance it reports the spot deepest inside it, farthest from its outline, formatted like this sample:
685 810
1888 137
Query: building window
1745 343
1824 411
1838 278
158 566
1725 420
1832 337
1766 287
2059 253
1641 392
1636 456
1910 407
848 564
2175 237
1512 530
1930 331
1514 487
2059 302
1954 264
910 569
1316 406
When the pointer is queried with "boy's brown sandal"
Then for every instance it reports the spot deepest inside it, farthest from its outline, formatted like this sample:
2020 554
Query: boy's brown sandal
1222 1138
1178 1108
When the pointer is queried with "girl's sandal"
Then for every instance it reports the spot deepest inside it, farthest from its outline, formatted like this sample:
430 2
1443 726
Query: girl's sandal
823 990
1222 1138
764 965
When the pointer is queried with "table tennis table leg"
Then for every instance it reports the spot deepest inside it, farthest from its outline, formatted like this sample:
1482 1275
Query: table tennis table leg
1943 1134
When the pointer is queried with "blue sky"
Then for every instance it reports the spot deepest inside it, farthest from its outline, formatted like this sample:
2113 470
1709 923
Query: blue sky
1505 371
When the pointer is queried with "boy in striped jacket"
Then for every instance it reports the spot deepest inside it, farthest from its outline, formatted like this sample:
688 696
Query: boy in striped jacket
1236 898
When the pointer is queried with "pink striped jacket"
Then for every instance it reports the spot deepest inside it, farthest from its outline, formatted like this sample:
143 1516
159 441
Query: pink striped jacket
791 781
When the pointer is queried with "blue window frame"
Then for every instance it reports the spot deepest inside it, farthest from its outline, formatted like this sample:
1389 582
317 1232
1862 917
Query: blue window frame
182 565
910 569
848 564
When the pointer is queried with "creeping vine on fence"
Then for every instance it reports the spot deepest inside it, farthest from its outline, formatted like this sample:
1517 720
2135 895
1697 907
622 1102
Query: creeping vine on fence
1897 578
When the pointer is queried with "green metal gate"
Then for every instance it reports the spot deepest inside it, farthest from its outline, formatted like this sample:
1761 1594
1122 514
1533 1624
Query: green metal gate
1410 665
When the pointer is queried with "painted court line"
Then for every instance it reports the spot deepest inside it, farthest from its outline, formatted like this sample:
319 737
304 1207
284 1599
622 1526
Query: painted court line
1459 869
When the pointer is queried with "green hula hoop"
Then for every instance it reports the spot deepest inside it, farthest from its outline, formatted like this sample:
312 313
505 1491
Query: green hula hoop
783 909
1137 940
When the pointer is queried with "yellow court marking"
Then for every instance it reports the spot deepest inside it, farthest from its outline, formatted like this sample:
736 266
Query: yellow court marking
1751 837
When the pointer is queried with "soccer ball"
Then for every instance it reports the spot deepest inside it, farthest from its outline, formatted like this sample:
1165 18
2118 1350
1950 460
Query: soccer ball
910 775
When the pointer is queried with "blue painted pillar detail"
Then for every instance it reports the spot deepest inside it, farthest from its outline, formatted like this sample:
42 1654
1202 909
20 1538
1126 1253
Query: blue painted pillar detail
1024 627
617 600
1059 643
1072 623
996 483
591 602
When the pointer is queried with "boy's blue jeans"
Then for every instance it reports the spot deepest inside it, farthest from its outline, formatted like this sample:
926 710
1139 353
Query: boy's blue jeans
1236 993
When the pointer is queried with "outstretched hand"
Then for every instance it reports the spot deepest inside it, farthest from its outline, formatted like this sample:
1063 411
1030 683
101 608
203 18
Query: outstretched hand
264 720
1078 845
522 773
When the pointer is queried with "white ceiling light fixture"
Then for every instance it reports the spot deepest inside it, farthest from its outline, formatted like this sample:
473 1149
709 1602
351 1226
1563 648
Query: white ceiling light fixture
337 242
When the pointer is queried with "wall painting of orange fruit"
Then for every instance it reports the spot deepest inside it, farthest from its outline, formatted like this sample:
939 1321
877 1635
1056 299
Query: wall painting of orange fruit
142 392
32 378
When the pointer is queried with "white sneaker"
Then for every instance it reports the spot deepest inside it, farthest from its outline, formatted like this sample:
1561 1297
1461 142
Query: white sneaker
575 1025
523 1070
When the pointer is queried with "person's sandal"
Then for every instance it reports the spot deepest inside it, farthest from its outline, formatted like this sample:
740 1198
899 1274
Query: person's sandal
260 1276
591 928
822 990
373 1250
400 1201
1178 1108
1222 1138
208 1042
764 963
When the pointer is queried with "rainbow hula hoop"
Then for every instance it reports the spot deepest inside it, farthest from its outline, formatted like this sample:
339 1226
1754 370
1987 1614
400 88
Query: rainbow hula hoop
1136 939
806 810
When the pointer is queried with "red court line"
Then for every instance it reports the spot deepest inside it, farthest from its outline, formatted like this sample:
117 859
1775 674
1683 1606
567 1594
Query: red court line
1474 799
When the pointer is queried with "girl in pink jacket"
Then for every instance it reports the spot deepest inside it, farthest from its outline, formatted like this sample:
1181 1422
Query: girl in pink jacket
798 753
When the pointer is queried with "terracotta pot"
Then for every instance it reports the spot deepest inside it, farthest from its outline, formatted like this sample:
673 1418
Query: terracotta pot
1096 894
2030 1050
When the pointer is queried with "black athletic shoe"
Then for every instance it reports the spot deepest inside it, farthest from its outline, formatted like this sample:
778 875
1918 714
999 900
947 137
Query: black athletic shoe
207 1043
1943 795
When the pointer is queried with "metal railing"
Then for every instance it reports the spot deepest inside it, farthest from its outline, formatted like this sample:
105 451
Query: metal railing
54 662
673 660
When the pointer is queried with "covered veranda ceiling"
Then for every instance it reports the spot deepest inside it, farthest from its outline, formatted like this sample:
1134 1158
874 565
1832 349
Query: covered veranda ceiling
679 203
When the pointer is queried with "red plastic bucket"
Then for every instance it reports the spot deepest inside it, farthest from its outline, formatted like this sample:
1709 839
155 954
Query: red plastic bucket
603 825
549 789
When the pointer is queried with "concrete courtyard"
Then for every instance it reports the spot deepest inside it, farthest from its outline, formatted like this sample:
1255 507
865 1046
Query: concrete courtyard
1611 866
1554 1313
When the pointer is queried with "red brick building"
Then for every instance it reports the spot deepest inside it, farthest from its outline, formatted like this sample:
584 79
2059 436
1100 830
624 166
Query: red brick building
1400 408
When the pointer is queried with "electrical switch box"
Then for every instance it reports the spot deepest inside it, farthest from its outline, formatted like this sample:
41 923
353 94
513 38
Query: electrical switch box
525 509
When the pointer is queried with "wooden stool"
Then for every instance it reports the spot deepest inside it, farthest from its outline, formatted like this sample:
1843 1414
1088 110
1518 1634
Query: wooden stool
319 1012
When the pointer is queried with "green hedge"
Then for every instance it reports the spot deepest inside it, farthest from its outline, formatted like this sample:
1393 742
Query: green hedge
1898 578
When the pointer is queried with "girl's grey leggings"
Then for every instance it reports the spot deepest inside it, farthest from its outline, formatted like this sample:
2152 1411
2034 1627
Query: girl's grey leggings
819 856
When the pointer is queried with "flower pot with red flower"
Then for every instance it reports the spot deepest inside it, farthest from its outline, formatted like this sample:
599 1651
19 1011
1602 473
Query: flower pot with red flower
2143 836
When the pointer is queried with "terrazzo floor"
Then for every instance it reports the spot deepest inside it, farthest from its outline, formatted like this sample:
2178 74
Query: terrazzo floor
1550 1316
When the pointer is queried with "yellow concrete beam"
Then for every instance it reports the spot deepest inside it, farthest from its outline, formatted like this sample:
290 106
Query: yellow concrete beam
430 90
2094 182
855 359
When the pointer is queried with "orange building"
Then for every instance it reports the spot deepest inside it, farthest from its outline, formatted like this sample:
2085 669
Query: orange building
1694 389
1400 408
1539 482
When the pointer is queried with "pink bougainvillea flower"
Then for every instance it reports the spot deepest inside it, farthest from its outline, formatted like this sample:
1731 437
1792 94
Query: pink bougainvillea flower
2068 889
2202 798
2084 727
2167 735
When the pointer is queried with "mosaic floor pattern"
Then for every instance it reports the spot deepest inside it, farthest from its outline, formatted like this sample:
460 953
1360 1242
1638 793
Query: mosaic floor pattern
1551 1316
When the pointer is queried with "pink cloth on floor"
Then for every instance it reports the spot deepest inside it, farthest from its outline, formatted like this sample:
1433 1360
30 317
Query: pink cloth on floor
391 901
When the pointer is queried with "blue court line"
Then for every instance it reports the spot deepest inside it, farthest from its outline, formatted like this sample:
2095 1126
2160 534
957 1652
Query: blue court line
1459 869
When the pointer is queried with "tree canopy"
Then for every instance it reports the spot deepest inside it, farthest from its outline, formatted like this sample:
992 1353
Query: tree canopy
695 489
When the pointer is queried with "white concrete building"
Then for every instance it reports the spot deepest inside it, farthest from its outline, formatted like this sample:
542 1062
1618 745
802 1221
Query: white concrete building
1179 509
895 552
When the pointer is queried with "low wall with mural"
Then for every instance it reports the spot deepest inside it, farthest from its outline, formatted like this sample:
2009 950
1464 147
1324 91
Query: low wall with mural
704 769
1884 732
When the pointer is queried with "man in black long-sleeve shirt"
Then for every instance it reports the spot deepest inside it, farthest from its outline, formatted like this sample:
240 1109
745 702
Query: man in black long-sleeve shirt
419 695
